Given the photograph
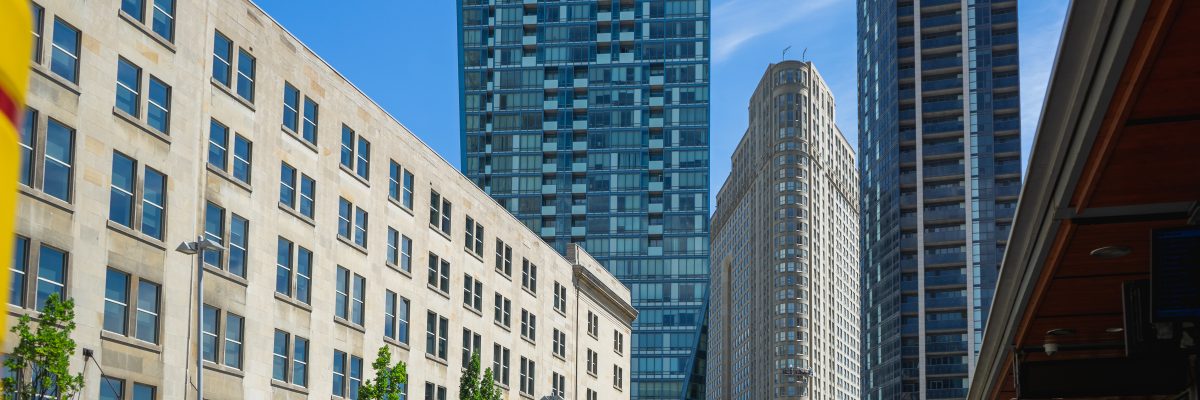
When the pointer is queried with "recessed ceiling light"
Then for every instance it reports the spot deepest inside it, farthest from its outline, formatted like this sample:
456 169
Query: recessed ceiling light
1111 252
1115 330
1060 332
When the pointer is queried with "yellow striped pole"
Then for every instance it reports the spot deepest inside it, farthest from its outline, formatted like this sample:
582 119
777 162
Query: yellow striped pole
16 46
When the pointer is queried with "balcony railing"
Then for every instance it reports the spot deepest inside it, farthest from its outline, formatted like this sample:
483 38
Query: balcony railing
942 149
945 393
951 258
953 324
950 347
953 40
945 83
942 127
945 214
953 302
946 62
950 369
946 236
944 280
944 105
944 192
943 171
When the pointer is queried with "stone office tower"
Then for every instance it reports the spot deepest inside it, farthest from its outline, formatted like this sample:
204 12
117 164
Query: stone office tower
783 312
940 152
588 120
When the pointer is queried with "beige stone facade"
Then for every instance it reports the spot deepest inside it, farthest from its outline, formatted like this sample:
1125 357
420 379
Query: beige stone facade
352 274
783 312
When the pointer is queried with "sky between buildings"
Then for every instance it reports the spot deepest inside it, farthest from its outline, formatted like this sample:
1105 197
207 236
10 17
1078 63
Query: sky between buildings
404 55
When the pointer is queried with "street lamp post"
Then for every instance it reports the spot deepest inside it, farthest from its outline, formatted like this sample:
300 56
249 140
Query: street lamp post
197 248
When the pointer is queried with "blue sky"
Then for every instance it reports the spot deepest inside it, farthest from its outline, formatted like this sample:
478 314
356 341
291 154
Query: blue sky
404 55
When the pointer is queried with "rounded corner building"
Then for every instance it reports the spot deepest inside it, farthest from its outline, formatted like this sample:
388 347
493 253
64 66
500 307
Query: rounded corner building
783 308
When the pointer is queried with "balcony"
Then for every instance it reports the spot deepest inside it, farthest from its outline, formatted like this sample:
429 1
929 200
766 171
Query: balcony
946 236
1006 81
944 105
943 62
950 369
1008 168
908 308
1005 39
1007 124
941 20
940 214
1004 18
1008 146
1003 61
947 325
944 280
908 242
941 84
943 171
908 178
944 41
935 3
942 149
910 351
945 393
942 127
954 302
908 286
939 193
952 258
1008 103
952 347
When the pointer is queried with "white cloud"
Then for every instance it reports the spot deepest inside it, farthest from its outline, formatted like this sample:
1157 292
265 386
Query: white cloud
736 22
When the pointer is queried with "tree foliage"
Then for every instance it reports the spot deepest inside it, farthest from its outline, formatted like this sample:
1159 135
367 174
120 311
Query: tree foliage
472 387
41 361
390 380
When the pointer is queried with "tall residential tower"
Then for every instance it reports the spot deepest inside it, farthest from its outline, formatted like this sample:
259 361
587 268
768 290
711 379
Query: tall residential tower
940 152
588 120
782 316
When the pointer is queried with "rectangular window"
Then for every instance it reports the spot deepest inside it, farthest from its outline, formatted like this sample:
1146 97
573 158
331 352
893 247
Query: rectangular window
129 87
39 18
527 376
358 305
242 156
120 199
210 333
64 51
342 293
162 19
360 227
245 81
618 342
291 107
146 319
308 195
559 345
347 153
474 237
233 340
407 199
239 234
214 230
405 253
528 325
28 139
283 267
111 388
116 302
310 121
503 258
393 246
394 178
503 311
158 105
363 166
500 363
389 314
592 361
300 361
339 373
356 367
436 332
434 392
345 216
528 276
154 203
304 260
439 274
618 377
558 384
560 297
397 318
593 324
59 161
279 358
19 271
472 293
439 212
592 395
218 145
287 185
52 275
222 59
472 345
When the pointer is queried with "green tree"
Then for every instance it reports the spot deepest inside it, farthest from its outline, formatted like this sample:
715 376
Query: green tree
41 361
487 387
390 380
468 385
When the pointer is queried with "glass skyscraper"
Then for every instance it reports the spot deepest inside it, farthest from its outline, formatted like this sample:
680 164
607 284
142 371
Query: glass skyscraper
939 156
588 120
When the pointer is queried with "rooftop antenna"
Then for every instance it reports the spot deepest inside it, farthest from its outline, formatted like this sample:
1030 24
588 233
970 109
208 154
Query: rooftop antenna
803 53
785 50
